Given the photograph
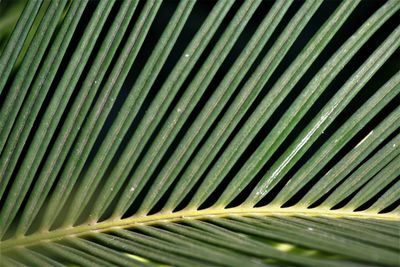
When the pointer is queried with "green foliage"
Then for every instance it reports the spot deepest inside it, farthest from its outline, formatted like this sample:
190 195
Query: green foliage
254 141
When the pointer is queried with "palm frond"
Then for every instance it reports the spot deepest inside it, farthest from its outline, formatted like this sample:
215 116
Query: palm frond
193 133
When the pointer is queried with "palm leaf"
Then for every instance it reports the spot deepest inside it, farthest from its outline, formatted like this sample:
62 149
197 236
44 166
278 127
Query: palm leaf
189 133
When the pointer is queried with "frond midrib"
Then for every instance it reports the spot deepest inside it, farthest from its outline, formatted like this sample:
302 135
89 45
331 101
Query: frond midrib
188 214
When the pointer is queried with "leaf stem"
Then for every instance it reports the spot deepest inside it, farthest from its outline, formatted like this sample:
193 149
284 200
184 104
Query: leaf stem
188 215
